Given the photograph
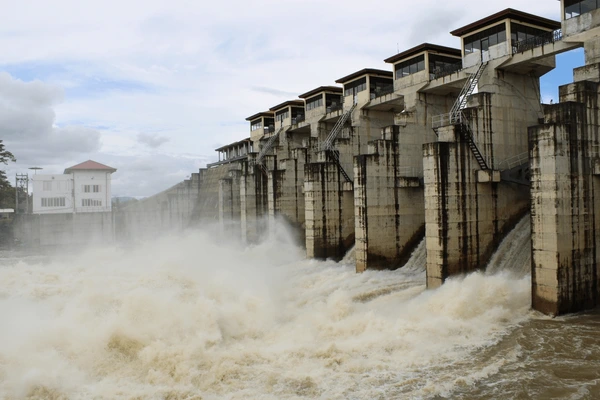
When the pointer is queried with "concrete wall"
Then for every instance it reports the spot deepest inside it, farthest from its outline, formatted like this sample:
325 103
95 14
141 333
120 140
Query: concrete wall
230 211
170 210
286 193
329 211
465 219
389 209
59 231
565 214
253 204
469 210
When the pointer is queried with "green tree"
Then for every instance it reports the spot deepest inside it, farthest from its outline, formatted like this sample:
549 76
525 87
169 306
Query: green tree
7 192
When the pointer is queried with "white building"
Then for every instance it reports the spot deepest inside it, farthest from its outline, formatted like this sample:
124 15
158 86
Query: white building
82 188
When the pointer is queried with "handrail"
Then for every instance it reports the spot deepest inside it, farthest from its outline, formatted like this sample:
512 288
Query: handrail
537 41
298 119
267 146
446 70
328 143
470 137
336 107
336 157
228 161
514 161
383 91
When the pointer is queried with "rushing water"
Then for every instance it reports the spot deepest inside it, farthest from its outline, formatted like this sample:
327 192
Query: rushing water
191 318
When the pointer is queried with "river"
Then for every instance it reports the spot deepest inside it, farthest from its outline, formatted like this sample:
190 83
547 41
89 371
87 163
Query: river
192 317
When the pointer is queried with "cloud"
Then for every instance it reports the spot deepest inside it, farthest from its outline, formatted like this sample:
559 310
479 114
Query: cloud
27 124
151 140
275 92
90 81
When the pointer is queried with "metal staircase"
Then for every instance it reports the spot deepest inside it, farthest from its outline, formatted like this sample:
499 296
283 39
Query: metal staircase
463 97
456 116
265 149
328 143
337 128
336 157
467 135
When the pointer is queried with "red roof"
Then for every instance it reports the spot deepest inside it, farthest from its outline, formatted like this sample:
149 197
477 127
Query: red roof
89 165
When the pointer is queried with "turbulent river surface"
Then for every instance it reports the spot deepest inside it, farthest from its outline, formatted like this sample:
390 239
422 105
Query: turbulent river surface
190 317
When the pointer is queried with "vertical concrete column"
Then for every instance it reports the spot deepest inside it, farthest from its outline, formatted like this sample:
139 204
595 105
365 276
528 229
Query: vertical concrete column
564 207
288 193
467 211
253 204
389 209
229 205
329 212
225 202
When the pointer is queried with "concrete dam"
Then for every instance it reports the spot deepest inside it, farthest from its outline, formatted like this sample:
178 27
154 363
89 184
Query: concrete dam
449 147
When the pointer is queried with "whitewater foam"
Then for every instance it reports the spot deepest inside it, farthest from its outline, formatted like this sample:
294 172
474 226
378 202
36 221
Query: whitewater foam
186 317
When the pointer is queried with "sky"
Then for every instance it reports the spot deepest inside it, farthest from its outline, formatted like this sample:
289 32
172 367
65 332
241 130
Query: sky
153 87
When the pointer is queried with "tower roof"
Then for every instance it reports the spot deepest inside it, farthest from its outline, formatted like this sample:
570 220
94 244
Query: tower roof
90 165
508 13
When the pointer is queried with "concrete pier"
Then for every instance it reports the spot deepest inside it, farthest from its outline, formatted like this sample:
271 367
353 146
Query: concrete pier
329 211
470 203
565 206
253 203
230 208
286 193
388 201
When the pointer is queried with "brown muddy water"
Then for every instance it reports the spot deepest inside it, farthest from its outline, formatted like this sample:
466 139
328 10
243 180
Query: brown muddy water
191 318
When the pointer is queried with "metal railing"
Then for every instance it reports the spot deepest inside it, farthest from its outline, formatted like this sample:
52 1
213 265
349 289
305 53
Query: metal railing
438 121
228 161
514 161
337 128
263 152
382 91
334 107
445 71
538 41
298 119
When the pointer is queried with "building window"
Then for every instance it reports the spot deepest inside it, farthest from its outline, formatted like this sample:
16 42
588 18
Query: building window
355 87
281 115
574 8
256 125
380 86
520 32
482 41
91 203
47 186
411 66
443 65
91 188
53 201
333 100
314 102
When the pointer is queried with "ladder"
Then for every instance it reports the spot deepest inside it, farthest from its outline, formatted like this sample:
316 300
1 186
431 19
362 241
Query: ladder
456 117
467 135
337 128
336 157
267 147
467 90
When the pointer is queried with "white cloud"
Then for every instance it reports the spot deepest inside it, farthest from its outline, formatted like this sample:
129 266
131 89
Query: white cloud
27 124
138 72
151 140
